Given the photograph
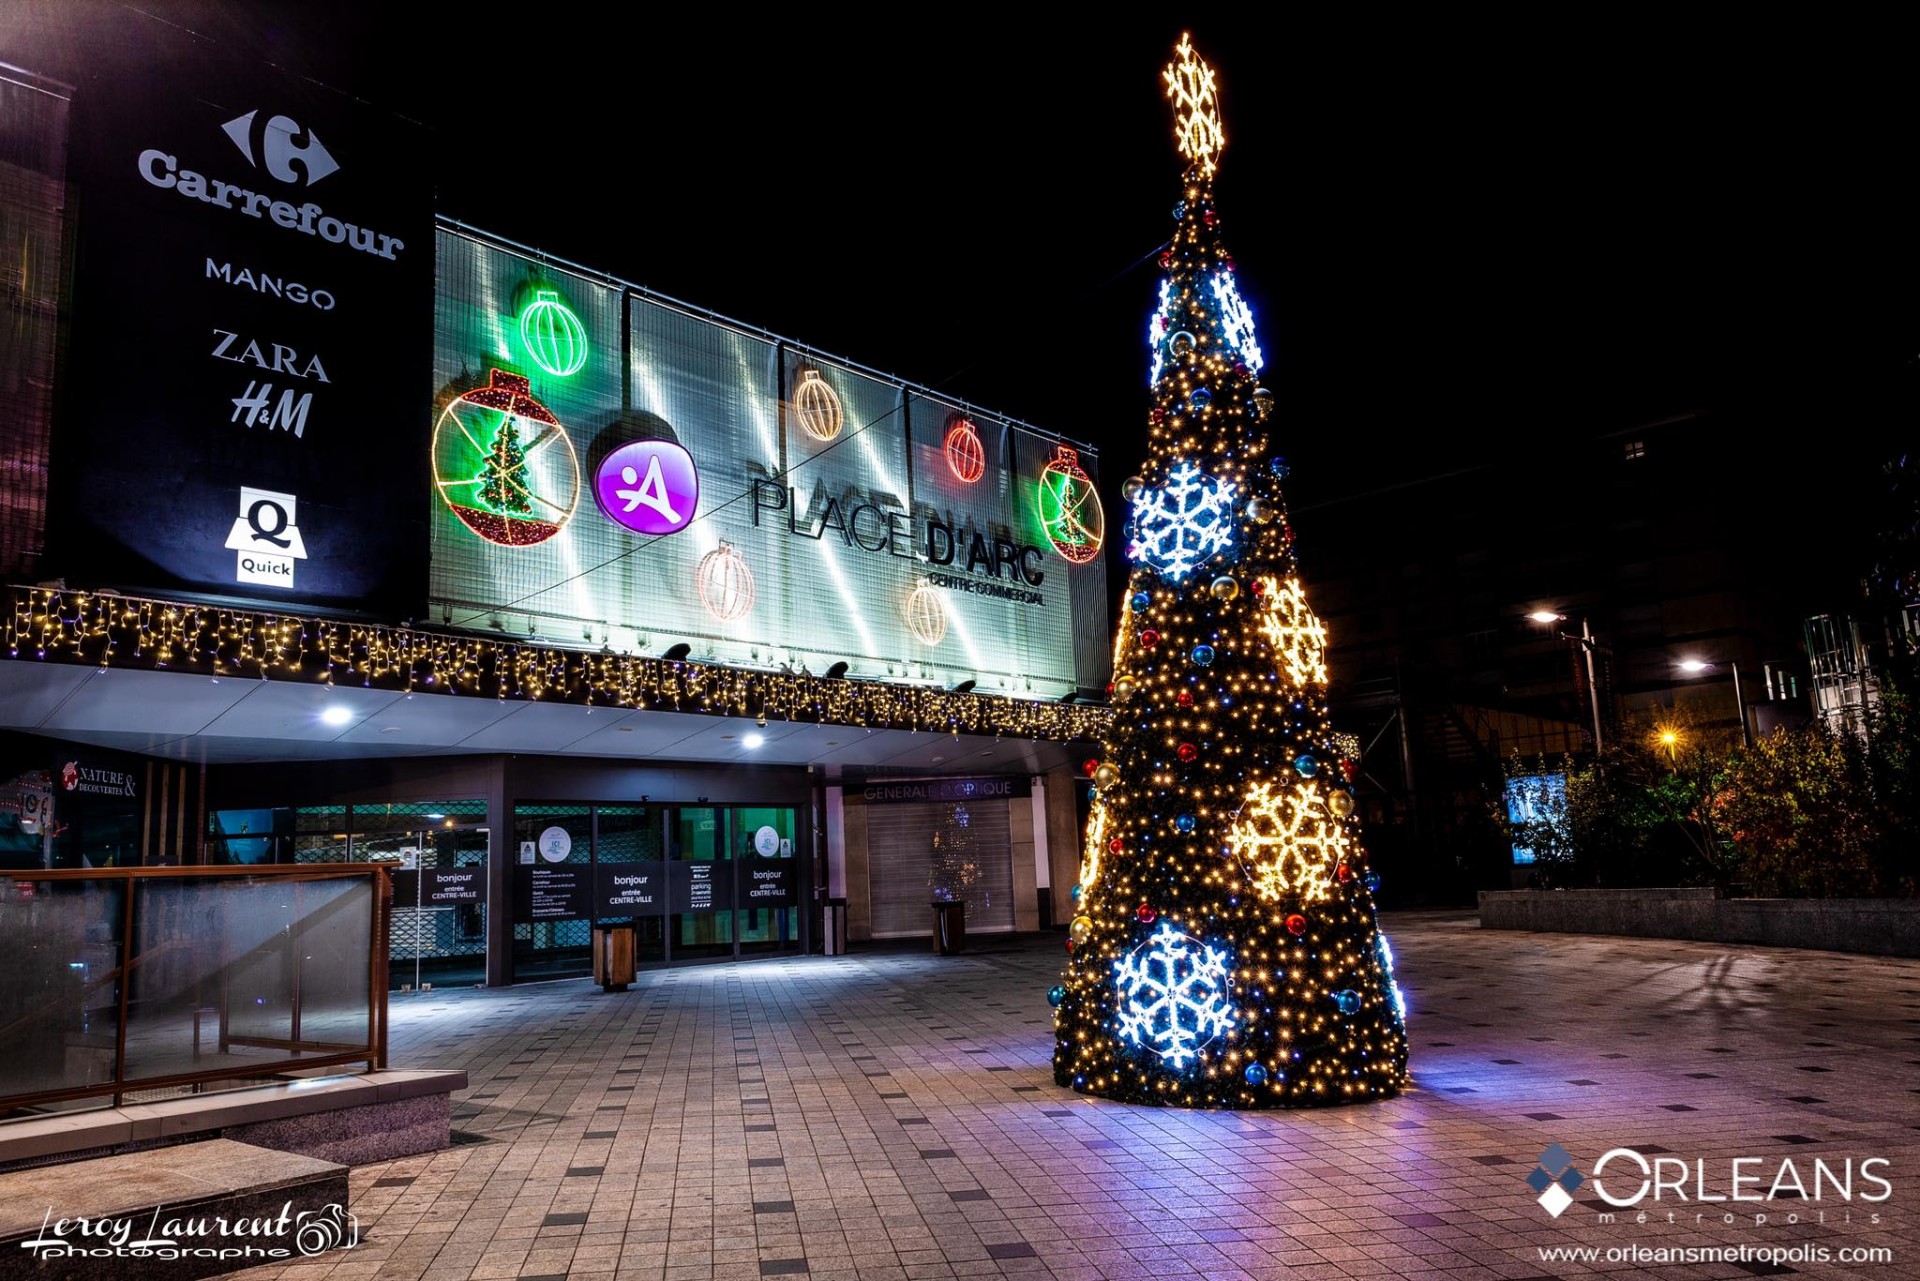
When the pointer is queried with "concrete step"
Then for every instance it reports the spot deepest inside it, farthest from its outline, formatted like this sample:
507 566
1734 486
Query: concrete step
190 1210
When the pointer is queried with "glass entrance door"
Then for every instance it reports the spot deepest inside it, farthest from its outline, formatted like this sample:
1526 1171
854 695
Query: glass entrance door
438 935
767 880
699 884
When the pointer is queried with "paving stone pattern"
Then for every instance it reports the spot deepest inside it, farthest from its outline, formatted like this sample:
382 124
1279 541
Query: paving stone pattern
892 1114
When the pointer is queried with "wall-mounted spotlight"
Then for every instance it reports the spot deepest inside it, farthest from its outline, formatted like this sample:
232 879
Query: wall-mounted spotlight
965 686
838 671
677 652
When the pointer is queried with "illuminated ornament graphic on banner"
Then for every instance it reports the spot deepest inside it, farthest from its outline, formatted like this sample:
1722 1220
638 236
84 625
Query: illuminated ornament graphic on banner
818 406
1236 321
648 486
503 464
1172 995
966 456
1296 634
553 335
1196 111
1289 842
926 613
1070 510
1182 523
725 583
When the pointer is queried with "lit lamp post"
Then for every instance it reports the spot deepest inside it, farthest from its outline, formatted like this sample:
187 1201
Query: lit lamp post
1586 643
1694 666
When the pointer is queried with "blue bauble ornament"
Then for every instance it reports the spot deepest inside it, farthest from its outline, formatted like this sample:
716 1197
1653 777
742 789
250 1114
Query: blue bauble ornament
1279 467
1200 398
1180 211
1256 1074
1372 881
1203 655
1140 602
1056 994
1074 893
1184 822
1307 766
1348 1000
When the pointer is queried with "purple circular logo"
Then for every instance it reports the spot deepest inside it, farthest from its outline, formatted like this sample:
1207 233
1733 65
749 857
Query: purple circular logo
649 486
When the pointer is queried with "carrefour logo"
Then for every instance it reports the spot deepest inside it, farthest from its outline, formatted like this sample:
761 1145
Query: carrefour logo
281 148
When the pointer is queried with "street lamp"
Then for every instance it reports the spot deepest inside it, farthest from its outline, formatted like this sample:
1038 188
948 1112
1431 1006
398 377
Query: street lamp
1694 666
1586 643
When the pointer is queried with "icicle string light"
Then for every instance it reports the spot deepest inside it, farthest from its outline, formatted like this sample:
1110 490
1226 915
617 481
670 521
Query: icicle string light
106 630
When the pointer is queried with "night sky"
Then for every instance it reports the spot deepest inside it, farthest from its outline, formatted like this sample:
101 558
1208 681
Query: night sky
1459 240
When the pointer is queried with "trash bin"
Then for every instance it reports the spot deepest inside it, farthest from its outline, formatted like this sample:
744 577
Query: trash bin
613 957
835 928
949 926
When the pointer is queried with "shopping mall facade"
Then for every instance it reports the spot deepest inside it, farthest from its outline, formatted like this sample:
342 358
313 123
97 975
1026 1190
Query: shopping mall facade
335 530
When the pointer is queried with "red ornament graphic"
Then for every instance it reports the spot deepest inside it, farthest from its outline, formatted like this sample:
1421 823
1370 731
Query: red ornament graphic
966 456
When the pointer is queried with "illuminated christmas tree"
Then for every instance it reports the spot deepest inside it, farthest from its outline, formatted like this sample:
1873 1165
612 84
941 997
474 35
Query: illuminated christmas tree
503 478
1226 950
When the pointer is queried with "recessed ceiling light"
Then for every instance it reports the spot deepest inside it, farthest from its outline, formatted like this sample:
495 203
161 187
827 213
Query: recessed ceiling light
752 740
433 816
938 759
624 729
336 715
389 729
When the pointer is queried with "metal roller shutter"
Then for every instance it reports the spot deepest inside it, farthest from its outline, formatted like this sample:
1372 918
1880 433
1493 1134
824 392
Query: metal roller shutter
912 849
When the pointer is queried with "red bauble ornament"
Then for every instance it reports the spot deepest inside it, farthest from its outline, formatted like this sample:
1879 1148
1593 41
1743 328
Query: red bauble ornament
1069 945
1240 369
1158 415
1342 872
966 456
1211 218
1149 638
1258 587
1348 769
1184 698
1115 845
1146 913
1187 751
1166 258
1296 925
1090 765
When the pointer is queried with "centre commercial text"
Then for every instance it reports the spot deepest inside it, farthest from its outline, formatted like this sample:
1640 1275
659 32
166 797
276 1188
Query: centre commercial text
888 527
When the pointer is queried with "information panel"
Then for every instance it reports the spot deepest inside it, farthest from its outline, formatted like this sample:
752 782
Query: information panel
700 886
553 892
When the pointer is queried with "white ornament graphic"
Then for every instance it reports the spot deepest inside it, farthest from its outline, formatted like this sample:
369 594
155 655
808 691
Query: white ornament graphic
1173 995
1182 523
1295 632
1236 320
1289 841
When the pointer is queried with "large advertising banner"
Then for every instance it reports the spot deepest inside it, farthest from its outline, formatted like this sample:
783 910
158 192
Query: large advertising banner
254 283
614 471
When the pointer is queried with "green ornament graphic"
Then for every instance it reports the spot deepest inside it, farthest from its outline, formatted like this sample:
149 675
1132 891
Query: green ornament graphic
553 335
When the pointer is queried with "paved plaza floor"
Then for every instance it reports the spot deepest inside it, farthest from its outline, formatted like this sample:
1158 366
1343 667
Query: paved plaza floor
892 1114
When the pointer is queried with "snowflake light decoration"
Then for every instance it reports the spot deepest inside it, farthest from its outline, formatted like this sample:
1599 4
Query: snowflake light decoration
1236 321
1289 841
1157 330
1294 631
1096 842
1183 522
1385 950
1196 111
1173 995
